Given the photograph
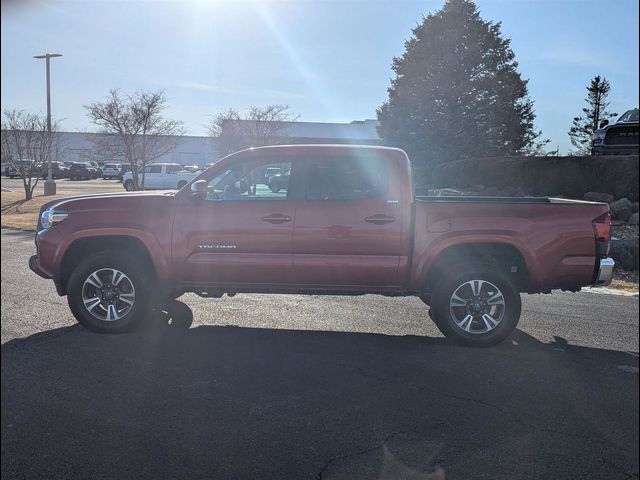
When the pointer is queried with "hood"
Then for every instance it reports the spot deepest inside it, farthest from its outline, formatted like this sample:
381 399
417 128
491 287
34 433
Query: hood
113 208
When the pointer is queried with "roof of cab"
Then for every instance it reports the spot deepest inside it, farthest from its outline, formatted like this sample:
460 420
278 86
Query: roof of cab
299 148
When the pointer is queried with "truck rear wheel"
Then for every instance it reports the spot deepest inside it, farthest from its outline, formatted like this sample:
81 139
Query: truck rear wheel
129 186
108 292
475 305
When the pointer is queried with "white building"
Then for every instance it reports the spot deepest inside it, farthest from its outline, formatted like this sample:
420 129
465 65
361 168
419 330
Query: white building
197 150
190 150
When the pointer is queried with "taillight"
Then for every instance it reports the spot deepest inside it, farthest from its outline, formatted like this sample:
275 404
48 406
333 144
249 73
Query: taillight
602 231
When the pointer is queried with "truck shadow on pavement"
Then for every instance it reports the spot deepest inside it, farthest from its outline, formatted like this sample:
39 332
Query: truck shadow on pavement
169 401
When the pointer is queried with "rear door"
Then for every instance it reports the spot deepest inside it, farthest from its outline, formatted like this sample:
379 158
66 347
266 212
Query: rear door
153 176
348 229
170 177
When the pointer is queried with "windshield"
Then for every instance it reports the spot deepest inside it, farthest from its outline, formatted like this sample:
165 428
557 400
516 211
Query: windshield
630 116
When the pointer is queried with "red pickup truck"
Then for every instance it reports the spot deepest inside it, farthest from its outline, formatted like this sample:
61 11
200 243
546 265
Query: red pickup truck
344 220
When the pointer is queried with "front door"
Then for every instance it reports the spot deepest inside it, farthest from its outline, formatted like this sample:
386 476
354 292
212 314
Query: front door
348 231
241 234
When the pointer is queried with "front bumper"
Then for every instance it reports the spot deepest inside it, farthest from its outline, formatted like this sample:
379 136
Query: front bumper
34 265
605 273
604 149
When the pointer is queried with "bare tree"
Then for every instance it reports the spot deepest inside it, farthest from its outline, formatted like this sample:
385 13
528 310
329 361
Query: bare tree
259 126
26 146
106 147
141 133
583 126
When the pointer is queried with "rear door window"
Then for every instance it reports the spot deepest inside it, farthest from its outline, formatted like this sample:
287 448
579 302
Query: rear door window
345 178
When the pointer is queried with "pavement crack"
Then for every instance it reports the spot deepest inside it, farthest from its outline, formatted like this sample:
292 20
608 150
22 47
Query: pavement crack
436 461
363 451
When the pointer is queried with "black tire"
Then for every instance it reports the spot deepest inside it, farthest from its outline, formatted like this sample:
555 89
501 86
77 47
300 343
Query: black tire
129 186
139 276
274 189
443 315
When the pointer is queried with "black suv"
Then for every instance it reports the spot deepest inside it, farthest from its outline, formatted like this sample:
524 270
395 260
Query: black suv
621 138
82 171
58 170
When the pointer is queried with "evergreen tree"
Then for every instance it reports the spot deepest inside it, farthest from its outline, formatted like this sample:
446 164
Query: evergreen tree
596 110
457 92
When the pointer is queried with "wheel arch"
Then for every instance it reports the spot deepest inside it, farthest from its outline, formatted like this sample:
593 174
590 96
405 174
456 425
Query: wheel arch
507 257
83 246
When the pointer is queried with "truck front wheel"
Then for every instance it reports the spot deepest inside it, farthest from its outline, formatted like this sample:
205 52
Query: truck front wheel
475 305
108 292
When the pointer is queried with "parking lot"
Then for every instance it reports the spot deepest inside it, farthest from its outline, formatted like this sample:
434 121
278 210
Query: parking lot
64 185
260 386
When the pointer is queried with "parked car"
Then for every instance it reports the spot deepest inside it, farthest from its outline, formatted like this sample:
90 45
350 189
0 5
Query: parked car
270 172
111 170
30 168
58 170
82 171
191 168
159 176
349 223
621 138
278 182
124 169
96 166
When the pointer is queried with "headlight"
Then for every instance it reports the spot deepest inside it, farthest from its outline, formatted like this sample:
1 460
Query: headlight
49 218
598 136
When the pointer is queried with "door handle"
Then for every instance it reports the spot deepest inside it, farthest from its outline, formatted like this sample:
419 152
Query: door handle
379 219
276 218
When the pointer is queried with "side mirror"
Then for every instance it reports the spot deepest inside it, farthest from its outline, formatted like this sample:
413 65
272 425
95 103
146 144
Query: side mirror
199 189
604 123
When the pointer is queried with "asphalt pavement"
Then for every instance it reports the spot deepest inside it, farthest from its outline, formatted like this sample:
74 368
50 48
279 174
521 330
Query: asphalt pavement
285 386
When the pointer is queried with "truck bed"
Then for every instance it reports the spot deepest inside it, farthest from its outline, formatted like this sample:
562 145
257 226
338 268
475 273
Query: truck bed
554 235
479 199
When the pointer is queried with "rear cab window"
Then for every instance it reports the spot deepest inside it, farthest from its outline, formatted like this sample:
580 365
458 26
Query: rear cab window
343 178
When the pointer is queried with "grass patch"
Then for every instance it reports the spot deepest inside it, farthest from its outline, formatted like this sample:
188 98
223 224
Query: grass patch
20 214
624 285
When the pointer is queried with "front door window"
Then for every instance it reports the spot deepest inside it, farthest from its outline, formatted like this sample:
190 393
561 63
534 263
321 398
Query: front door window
251 180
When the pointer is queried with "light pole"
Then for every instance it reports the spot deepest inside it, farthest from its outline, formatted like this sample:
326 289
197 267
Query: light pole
49 185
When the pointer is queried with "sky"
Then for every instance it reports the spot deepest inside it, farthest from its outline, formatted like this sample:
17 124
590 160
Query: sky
330 61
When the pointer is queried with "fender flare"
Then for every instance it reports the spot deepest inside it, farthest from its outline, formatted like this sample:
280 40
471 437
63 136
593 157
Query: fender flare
158 259
423 267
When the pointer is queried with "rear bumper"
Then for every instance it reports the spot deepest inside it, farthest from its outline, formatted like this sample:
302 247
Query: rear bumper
605 273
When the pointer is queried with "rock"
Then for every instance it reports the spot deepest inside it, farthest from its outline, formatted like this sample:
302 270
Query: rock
625 253
599 197
634 219
621 209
